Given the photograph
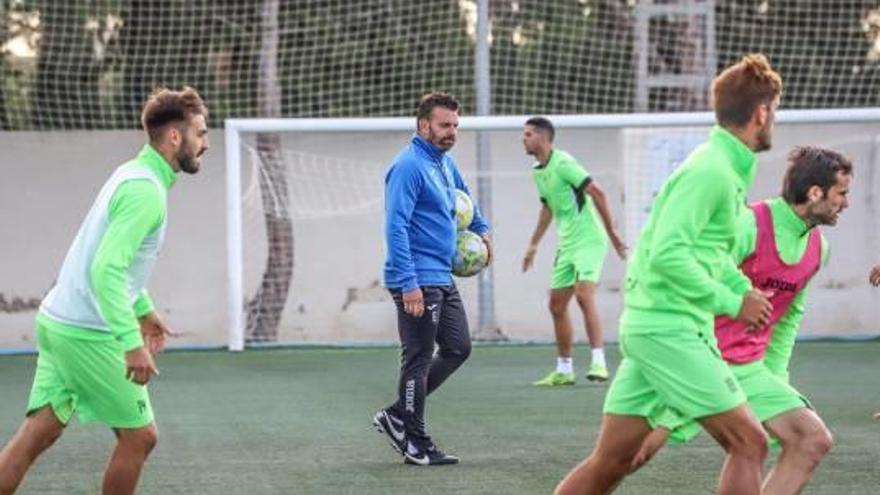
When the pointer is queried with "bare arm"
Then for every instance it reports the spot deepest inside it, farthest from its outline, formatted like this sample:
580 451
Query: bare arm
598 195
545 216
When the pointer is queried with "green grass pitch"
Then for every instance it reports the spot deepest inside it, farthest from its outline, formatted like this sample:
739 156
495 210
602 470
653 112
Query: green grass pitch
297 421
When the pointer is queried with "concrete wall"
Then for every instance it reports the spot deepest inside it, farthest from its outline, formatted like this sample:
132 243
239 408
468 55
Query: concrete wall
50 179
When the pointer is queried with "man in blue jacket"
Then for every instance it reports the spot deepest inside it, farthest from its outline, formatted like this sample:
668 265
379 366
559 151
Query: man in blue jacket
420 236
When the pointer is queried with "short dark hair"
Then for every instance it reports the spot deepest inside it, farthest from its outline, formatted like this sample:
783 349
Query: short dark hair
810 166
740 88
166 106
543 124
432 100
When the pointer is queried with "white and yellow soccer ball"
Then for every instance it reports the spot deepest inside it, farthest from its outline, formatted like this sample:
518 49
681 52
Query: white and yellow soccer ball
471 254
464 210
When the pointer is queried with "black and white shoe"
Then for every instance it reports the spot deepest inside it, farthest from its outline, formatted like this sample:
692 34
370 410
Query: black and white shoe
429 455
392 427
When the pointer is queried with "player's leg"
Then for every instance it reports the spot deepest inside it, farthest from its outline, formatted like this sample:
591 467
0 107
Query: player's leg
805 442
389 420
735 430
417 346
36 434
133 445
630 400
585 293
668 425
786 414
453 348
50 406
96 371
740 435
588 266
564 334
650 446
561 291
417 337
453 338
687 372
559 299
619 440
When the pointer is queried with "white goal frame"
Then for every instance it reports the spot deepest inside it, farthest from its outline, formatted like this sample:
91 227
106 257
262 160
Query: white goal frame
234 128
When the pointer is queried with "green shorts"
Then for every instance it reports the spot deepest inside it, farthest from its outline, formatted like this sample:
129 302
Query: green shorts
88 376
768 395
679 369
581 263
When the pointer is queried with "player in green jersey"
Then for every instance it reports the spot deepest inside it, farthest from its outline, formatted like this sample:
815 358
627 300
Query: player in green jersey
96 329
780 248
680 276
572 198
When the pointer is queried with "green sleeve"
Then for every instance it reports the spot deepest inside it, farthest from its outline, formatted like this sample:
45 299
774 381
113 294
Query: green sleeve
143 305
784 334
572 173
747 231
747 236
782 339
698 195
136 210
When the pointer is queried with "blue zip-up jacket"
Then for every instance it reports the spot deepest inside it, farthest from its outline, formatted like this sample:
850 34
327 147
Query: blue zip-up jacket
420 228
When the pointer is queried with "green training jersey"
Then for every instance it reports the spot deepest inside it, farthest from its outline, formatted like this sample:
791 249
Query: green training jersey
560 184
683 272
134 214
791 235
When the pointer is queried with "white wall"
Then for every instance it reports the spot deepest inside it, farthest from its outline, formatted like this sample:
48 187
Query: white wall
49 180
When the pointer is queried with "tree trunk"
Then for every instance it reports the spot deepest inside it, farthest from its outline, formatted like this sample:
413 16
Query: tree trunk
265 308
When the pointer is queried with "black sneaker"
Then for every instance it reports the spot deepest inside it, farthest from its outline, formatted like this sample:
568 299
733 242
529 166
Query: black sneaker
428 456
392 427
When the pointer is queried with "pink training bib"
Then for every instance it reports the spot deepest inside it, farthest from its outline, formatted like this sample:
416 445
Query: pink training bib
769 273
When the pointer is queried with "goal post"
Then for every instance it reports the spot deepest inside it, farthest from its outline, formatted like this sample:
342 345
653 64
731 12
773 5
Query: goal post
635 200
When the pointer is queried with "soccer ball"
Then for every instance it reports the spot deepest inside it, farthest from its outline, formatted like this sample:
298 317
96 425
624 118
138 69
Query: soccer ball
471 254
464 210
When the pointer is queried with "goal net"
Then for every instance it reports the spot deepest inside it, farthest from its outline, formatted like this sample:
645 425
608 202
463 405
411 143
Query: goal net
88 64
319 278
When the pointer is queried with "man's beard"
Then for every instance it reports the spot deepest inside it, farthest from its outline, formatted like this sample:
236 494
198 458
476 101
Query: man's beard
821 218
442 144
765 140
188 163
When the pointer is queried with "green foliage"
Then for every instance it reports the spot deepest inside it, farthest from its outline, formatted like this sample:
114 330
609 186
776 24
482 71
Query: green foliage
98 59
374 58
823 61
